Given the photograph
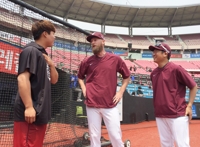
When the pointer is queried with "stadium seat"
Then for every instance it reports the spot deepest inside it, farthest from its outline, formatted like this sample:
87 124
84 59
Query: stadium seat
151 93
144 87
81 119
148 96
145 93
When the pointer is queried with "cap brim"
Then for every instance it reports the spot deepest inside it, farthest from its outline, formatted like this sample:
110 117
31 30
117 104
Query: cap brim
89 38
152 48
92 36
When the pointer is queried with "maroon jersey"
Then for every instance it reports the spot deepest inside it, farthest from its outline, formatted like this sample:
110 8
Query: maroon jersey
169 88
101 79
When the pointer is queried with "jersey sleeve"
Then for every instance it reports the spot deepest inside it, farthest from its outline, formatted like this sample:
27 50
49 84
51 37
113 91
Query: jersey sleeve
82 70
184 78
28 60
123 69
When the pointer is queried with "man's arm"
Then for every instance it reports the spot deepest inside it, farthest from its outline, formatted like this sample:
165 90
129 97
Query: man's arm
24 89
120 93
191 100
54 74
124 85
82 85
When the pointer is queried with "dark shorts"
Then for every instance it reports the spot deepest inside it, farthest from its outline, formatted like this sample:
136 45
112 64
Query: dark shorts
28 135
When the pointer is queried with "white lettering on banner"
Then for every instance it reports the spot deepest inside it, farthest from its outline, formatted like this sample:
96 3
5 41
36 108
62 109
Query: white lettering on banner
14 38
8 57
186 56
9 61
2 52
16 62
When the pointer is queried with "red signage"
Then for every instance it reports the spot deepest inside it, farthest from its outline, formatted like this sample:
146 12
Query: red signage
176 56
9 56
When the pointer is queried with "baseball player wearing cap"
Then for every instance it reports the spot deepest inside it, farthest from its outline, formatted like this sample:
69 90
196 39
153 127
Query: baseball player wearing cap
169 87
100 71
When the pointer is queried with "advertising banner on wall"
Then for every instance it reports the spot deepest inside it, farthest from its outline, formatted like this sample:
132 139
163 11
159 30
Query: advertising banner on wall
147 55
186 56
194 113
194 55
121 53
176 56
117 52
9 56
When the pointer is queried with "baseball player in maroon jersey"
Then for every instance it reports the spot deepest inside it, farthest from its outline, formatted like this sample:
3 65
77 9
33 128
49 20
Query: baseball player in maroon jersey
100 71
169 87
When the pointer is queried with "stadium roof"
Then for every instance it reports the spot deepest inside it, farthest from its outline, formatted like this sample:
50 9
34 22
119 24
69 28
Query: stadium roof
120 15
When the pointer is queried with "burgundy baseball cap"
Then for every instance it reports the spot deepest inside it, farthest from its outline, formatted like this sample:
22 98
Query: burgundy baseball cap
161 46
95 34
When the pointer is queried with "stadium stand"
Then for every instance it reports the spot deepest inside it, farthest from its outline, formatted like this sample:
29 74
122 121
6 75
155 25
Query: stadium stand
197 63
171 41
186 64
137 41
191 40
114 41
129 63
146 63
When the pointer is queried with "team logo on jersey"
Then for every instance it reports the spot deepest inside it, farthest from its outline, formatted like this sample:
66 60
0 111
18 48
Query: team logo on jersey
48 72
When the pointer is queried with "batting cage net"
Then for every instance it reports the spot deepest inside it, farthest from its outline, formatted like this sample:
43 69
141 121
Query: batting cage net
68 122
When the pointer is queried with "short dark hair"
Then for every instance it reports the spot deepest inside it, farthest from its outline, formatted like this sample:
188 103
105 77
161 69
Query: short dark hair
40 26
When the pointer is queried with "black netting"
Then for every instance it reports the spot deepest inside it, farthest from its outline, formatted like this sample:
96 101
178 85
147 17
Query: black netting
69 49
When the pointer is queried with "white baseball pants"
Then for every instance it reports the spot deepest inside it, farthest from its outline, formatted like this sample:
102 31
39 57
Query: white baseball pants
173 130
112 122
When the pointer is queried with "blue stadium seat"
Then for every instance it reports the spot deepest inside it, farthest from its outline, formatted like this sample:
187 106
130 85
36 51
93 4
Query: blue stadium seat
120 84
197 99
149 90
151 93
148 96
144 87
131 86
187 96
146 93
198 94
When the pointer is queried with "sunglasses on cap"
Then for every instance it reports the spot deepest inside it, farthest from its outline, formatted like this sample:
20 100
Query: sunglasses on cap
160 44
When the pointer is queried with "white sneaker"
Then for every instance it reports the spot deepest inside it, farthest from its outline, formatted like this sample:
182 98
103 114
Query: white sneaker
79 100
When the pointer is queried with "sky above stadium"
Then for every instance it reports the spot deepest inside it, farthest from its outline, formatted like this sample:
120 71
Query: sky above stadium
137 31
151 3
144 31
